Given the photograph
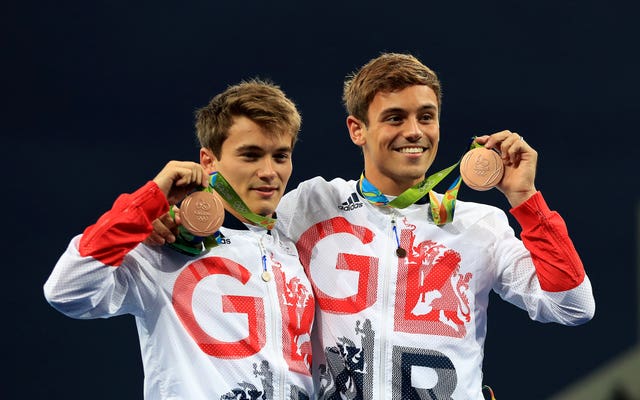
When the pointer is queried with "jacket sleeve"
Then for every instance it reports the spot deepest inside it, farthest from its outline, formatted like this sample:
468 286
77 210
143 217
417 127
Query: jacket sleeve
545 235
125 226
559 273
90 279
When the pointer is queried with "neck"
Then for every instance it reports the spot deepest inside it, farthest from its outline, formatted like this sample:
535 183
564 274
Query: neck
241 210
240 217
389 185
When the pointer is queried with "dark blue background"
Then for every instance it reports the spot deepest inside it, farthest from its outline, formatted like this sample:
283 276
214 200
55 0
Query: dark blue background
97 96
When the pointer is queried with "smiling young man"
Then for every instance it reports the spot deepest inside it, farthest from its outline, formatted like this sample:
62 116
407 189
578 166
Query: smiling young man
398 161
220 316
402 287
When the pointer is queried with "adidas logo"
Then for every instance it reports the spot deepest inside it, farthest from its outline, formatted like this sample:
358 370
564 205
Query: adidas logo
351 204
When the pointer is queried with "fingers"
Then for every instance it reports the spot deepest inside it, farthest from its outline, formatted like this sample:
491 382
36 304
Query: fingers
510 145
177 178
519 159
155 240
163 231
191 175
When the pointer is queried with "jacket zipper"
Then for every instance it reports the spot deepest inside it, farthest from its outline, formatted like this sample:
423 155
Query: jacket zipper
267 276
389 259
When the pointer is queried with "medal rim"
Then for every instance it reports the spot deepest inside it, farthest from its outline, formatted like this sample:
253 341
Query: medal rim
473 180
209 227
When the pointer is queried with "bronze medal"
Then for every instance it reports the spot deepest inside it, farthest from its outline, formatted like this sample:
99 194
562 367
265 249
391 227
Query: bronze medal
400 252
202 213
481 168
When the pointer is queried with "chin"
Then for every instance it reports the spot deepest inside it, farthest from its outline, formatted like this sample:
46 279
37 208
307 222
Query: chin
264 211
417 174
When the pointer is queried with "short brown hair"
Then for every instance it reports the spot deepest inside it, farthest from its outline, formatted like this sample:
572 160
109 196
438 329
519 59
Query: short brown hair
261 101
388 72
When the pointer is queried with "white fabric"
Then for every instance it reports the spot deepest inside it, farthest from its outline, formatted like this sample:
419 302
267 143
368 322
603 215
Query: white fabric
406 328
175 365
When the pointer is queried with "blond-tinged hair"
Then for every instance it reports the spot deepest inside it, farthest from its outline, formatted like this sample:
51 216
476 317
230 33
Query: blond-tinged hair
262 101
386 73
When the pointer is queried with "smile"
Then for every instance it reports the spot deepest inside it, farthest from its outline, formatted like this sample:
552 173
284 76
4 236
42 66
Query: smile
266 190
411 150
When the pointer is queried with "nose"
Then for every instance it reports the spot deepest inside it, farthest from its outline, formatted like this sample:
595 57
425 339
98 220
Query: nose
414 131
267 170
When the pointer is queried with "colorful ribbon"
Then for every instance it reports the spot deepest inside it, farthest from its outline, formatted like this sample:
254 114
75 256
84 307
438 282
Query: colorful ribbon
190 244
220 185
441 212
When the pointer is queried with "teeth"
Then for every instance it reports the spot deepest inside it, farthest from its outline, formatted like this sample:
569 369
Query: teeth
411 150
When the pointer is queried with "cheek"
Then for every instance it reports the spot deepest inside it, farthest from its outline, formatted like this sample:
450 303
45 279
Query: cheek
434 138
237 174
380 140
285 170
435 147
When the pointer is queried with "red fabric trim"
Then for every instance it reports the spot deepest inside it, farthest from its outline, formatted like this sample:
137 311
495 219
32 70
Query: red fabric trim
125 226
545 235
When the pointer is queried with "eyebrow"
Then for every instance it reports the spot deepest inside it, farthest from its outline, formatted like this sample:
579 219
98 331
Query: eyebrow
429 107
426 107
250 147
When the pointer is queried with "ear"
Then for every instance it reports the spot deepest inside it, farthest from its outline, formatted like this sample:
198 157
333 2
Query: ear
357 130
208 160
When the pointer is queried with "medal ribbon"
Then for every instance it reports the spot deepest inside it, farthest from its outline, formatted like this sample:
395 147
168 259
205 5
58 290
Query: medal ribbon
488 388
189 244
220 185
441 212
194 245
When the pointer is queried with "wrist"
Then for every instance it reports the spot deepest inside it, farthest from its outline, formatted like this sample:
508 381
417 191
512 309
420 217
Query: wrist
519 197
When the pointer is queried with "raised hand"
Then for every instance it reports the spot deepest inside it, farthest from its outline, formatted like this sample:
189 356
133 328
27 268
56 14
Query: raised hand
178 178
519 161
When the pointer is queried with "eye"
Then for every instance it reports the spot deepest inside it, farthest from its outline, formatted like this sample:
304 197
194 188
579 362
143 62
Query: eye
281 157
429 118
250 155
394 119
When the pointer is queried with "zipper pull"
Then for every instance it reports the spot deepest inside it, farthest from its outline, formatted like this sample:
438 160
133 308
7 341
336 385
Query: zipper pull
400 252
266 276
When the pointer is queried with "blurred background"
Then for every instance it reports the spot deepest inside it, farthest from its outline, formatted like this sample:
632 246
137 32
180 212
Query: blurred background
97 96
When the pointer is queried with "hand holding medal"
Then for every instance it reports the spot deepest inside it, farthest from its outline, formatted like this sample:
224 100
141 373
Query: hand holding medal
201 212
502 160
201 216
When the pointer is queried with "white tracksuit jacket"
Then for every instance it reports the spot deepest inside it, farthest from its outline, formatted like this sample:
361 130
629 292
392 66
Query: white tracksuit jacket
414 328
209 326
